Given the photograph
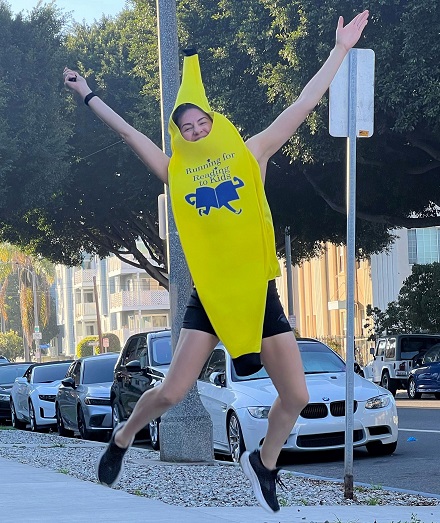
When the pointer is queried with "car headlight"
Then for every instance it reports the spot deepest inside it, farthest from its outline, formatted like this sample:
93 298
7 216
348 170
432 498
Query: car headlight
259 412
4 397
97 401
378 402
47 397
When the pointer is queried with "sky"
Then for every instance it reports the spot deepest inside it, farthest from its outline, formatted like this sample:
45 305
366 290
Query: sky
87 10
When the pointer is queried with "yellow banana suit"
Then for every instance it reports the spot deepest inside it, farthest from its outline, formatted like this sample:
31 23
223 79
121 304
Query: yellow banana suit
223 220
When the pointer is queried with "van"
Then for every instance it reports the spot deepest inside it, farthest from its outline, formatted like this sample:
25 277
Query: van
395 355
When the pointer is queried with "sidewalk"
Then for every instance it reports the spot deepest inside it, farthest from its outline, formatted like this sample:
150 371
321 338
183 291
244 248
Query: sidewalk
29 494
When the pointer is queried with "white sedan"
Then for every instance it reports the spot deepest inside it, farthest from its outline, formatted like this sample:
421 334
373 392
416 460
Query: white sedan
238 406
33 395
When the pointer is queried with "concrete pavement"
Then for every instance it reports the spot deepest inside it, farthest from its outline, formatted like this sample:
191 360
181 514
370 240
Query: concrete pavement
30 495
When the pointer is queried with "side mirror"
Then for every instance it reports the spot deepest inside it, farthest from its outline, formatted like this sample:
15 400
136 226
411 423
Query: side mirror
134 366
68 382
372 351
218 378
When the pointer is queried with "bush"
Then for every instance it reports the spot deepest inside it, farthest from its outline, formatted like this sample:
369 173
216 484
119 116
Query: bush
86 348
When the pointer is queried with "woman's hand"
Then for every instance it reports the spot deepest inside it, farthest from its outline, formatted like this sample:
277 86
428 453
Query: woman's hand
75 82
349 35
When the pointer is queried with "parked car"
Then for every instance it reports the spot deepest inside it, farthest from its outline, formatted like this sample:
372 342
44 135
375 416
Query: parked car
425 378
143 356
395 356
239 406
82 403
33 395
4 360
8 373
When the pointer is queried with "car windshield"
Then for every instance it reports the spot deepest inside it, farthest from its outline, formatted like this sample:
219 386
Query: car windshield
99 370
161 352
49 373
316 358
8 373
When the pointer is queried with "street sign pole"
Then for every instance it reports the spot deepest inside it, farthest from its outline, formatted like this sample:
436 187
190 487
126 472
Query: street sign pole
352 116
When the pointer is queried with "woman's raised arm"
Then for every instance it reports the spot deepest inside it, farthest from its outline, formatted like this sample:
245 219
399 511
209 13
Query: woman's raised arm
150 154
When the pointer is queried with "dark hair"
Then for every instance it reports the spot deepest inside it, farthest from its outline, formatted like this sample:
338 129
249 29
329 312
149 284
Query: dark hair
181 110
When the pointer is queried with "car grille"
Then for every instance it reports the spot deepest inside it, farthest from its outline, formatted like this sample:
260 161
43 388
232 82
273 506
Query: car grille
337 408
320 410
314 411
332 439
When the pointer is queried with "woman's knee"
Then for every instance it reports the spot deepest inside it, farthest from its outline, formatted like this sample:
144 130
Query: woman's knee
295 401
170 396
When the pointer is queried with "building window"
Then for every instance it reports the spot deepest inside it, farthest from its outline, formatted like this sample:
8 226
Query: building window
412 246
424 245
90 330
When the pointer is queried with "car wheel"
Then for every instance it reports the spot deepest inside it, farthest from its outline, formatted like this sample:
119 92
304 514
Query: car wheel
84 432
62 431
32 420
412 390
154 433
235 438
116 417
16 423
388 384
377 448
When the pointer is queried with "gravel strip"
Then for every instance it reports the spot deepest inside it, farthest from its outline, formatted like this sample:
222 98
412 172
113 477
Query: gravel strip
189 485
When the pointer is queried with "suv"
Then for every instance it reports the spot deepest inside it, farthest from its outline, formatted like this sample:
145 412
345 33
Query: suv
143 362
395 356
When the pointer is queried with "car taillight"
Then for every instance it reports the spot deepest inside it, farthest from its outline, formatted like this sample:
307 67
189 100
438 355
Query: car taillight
402 366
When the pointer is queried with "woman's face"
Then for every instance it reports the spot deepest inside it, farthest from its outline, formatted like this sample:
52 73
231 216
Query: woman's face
194 124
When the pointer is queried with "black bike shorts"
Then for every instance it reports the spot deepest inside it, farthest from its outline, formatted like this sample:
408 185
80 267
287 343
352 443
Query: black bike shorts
275 322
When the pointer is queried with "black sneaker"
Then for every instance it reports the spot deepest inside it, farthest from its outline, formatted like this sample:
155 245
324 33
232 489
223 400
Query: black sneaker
262 479
109 466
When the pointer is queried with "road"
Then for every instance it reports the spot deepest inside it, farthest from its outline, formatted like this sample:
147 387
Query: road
414 465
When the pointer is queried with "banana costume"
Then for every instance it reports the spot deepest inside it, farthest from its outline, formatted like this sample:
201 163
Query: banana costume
224 222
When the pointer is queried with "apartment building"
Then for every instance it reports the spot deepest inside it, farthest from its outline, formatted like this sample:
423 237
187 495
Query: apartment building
128 301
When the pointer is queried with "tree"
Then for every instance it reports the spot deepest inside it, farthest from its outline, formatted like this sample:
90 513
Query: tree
11 345
255 54
33 133
21 269
417 306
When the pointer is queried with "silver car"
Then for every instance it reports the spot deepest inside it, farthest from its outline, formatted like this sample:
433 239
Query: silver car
82 403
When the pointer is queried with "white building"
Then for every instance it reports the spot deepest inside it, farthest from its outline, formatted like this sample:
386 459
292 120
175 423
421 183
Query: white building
129 301
389 270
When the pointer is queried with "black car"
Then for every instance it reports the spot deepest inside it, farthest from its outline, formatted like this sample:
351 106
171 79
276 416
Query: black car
8 373
143 361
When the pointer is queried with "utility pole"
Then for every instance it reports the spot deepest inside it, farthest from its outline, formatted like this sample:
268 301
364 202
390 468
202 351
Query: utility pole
98 316
186 429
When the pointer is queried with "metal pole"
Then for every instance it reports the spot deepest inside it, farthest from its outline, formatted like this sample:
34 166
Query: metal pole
98 316
36 328
186 429
351 263
288 249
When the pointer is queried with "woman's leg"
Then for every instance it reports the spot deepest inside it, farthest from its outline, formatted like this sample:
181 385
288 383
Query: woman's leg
282 360
192 351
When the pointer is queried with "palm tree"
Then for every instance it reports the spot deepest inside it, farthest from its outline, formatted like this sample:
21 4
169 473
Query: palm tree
26 267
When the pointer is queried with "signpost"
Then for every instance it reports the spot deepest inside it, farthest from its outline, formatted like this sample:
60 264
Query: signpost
352 116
